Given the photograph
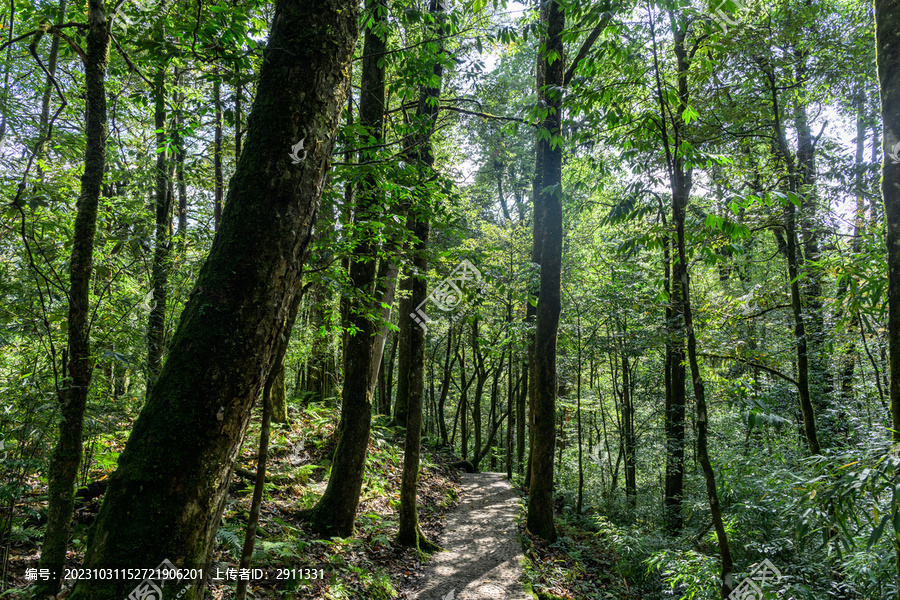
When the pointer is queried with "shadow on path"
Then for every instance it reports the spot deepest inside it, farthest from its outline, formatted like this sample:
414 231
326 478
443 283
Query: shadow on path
482 552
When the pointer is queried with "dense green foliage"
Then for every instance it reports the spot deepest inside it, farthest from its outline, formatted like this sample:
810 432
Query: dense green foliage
773 114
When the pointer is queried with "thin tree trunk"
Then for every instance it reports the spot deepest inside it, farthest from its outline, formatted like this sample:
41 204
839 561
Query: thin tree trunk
580 502
156 326
268 408
806 405
675 382
445 387
217 152
278 395
259 485
628 422
66 456
171 483
179 165
52 59
335 512
409 533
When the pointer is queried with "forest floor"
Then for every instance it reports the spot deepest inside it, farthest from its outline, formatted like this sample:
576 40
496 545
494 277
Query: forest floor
482 553
482 536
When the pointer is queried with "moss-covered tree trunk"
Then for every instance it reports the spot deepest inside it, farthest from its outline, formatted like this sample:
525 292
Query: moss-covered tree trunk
540 503
66 457
335 513
887 36
166 498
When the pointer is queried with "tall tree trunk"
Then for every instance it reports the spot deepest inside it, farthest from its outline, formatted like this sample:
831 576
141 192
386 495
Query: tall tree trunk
66 456
675 382
628 422
681 182
217 152
409 533
156 326
806 406
268 410
809 237
179 163
335 512
390 374
405 325
537 239
580 502
278 395
540 504
166 499
887 36
445 386
44 123
521 415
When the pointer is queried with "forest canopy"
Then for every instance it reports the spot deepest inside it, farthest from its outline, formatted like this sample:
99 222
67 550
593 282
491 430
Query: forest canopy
265 267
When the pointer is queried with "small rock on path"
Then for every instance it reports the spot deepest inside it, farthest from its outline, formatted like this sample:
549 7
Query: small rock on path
482 550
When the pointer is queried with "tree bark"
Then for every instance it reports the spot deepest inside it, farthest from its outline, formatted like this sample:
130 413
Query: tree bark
335 512
217 152
887 40
540 519
675 382
156 326
52 59
806 406
409 533
166 498
66 456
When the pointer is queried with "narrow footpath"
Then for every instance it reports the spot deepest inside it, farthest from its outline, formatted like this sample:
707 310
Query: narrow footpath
481 550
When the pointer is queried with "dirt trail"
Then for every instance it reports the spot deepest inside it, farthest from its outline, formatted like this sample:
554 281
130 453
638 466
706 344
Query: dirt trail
482 552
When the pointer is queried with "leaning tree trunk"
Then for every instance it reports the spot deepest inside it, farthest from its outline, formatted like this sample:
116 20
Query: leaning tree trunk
540 504
887 36
166 499
335 512
66 455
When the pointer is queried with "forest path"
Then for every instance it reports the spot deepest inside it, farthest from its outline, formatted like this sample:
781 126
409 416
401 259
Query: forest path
482 550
